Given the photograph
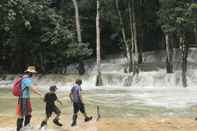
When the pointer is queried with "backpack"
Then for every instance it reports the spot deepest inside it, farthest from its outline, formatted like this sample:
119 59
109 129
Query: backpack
16 89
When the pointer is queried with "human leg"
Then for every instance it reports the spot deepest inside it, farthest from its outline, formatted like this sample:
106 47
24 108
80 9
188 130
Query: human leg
19 123
44 122
57 112
48 112
82 110
74 122
26 111
27 120
75 112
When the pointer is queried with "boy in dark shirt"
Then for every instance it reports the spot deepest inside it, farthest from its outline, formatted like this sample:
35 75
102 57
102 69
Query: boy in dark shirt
50 99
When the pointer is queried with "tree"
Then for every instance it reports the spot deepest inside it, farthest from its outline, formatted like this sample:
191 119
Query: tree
124 37
98 78
167 22
36 34
129 36
132 17
194 10
79 37
178 17
77 20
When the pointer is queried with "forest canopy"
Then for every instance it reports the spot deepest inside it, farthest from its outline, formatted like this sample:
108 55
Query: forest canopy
43 33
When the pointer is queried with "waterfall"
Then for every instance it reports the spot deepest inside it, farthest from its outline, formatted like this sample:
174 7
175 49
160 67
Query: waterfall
152 73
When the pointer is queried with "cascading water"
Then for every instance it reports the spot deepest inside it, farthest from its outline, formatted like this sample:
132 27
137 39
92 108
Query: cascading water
152 73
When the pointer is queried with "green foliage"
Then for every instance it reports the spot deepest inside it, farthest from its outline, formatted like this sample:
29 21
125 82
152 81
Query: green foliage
76 49
35 34
177 15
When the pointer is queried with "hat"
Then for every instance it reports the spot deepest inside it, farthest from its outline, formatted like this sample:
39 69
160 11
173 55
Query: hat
53 88
31 69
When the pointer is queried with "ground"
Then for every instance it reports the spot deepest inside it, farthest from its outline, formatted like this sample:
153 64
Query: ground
110 124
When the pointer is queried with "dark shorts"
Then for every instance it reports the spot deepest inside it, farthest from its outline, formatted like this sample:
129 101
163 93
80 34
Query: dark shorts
78 107
23 107
52 109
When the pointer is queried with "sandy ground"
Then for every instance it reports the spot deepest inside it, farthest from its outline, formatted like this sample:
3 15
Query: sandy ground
110 124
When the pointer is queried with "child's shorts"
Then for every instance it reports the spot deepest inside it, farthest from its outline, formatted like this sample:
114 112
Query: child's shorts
51 109
78 107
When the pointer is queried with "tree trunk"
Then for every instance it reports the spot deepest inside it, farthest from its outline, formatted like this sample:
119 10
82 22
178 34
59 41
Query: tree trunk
81 68
136 70
140 45
140 28
184 50
169 64
42 63
78 29
99 79
127 46
195 33
77 20
133 38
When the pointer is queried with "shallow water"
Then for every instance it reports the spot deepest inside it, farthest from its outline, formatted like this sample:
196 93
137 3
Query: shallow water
118 102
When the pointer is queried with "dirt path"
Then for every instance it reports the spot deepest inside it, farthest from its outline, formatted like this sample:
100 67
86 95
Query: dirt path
109 124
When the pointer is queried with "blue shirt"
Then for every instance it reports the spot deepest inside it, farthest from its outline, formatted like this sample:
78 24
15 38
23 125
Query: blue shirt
26 84
76 89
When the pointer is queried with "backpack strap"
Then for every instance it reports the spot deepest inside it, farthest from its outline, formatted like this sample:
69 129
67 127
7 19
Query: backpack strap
23 77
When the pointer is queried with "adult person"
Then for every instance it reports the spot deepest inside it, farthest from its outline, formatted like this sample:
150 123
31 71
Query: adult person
24 109
78 105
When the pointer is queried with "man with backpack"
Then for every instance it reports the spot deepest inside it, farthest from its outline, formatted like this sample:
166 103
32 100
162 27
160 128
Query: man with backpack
24 108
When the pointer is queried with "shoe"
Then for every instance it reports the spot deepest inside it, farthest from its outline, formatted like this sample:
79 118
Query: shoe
27 128
88 119
56 122
43 123
74 124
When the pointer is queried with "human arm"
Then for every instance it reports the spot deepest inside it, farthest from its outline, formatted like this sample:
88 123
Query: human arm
71 96
80 95
27 83
36 91
59 101
56 98
81 98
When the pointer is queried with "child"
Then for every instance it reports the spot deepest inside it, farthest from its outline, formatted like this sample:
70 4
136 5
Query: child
78 105
50 99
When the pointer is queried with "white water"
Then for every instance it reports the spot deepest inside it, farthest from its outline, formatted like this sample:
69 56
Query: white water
152 73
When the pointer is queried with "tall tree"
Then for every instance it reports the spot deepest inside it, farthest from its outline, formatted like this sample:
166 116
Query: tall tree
194 10
169 52
167 22
124 37
98 47
129 34
77 21
132 16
